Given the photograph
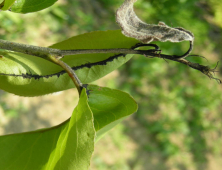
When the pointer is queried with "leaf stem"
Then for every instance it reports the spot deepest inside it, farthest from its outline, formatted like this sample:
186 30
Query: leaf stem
69 70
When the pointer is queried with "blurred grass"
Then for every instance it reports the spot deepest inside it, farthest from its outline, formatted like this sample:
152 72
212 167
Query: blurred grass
178 124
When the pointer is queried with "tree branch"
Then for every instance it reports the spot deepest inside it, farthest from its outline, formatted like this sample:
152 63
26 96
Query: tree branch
43 52
54 55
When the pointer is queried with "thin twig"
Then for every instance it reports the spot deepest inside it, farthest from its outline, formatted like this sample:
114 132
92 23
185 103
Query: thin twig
204 69
69 70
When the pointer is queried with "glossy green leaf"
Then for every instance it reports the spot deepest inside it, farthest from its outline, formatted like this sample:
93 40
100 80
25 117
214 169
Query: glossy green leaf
26 6
70 144
32 76
6 4
109 107
67 146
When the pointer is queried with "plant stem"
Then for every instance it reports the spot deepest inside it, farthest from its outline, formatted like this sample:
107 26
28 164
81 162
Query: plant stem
43 52
54 55
69 70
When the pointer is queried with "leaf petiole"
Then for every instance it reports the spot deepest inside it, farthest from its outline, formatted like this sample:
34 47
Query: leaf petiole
69 70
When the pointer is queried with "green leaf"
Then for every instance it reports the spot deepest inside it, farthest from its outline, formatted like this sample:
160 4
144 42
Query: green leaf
26 75
109 107
26 6
66 146
6 4
69 145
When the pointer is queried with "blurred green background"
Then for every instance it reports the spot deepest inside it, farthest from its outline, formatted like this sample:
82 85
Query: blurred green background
179 123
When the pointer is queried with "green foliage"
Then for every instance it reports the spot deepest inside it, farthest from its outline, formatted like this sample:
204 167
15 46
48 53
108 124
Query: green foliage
70 144
30 72
52 148
179 108
12 112
26 6
216 10
6 4
109 107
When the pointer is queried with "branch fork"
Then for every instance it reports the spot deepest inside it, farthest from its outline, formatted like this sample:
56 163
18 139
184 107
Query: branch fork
131 26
